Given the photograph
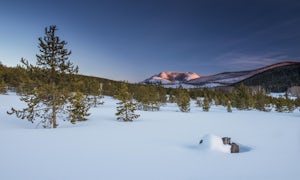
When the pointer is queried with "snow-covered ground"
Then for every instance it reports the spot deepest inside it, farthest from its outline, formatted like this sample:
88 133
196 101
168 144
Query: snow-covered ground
282 95
161 145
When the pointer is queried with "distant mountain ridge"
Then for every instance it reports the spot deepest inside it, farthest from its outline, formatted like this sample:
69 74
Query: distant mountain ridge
171 77
276 79
287 72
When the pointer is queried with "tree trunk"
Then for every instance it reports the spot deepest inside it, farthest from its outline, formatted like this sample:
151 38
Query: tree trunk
54 107
54 116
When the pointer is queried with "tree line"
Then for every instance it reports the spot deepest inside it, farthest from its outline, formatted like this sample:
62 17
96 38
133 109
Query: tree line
52 88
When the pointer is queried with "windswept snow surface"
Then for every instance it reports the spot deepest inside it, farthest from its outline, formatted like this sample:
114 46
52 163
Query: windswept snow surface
161 145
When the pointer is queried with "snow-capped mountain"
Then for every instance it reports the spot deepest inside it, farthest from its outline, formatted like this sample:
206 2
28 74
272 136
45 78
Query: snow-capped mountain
171 78
190 80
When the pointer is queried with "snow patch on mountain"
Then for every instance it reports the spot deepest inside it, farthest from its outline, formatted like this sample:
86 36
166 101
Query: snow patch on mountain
171 78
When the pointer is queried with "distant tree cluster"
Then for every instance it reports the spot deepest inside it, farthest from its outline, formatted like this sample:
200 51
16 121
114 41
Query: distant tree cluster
149 98
244 98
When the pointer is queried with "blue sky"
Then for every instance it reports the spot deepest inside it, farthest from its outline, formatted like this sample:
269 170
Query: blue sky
134 39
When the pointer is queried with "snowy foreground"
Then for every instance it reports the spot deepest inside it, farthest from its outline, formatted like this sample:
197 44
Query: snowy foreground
161 145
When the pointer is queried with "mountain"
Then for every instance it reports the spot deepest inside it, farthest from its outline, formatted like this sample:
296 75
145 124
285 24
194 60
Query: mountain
171 78
275 79
284 74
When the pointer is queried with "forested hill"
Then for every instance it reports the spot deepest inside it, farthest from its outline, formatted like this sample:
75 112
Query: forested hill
19 79
276 79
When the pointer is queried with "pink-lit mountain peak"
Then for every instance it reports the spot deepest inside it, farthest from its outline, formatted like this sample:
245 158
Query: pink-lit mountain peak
171 77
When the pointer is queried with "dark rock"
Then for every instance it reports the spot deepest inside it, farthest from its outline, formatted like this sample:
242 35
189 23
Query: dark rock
234 148
226 140
201 141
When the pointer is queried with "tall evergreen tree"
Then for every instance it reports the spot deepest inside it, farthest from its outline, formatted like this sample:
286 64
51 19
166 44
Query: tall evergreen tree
229 109
126 106
154 98
2 83
183 100
297 102
279 104
97 94
2 87
243 98
206 104
172 96
52 76
162 94
143 97
260 101
290 104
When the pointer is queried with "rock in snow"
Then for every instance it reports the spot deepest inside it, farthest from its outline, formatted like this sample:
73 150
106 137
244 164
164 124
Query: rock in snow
216 143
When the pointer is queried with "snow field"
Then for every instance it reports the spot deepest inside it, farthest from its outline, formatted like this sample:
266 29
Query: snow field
159 145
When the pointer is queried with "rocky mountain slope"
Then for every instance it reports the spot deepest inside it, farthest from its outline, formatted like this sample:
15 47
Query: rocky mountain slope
171 78
279 75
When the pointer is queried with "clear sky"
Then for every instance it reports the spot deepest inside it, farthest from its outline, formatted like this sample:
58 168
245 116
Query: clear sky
134 39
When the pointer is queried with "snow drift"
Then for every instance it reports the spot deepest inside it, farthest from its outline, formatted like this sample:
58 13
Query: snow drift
214 143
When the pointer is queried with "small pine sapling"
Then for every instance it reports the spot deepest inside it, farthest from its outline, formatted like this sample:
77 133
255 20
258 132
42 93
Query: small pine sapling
98 96
126 106
78 109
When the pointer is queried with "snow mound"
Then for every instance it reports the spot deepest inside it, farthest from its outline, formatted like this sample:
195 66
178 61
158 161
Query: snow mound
212 142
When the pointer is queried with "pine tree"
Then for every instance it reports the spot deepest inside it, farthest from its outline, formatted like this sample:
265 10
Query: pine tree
279 104
126 106
53 76
297 102
78 109
199 102
97 95
162 94
229 106
260 101
172 96
183 100
2 83
148 98
2 87
243 98
206 104
289 103
154 98
143 97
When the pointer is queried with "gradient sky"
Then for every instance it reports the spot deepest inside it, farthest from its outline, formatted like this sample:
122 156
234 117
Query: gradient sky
135 39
